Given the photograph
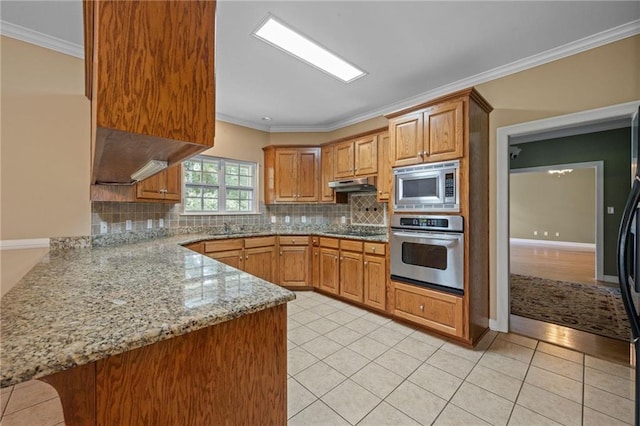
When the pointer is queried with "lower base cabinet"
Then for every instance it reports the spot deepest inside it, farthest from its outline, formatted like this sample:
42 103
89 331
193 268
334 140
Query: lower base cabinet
294 261
375 281
440 311
351 270
261 262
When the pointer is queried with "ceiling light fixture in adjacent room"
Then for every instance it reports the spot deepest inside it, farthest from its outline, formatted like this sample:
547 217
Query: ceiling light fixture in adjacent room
560 172
279 35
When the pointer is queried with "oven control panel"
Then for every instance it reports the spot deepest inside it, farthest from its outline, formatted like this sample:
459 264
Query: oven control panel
427 222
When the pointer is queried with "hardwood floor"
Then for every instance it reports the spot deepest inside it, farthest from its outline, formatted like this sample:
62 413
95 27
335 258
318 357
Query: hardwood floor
556 263
563 264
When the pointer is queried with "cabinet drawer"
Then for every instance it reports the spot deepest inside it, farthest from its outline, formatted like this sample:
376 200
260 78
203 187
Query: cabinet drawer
375 248
223 245
440 311
259 242
194 246
351 245
294 240
329 242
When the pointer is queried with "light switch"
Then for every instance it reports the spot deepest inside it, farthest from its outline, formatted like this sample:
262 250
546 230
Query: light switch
127 225
287 219
161 223
103 227
303 219
610 210
149 223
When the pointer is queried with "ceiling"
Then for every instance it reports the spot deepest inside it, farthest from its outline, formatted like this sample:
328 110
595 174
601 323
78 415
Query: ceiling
412 51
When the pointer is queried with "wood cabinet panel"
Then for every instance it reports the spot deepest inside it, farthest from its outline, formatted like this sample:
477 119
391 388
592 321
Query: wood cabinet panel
294 266
384 168
308 174
259 242
166 185
444 131
329 242
261 262
152 83
351 245
406 136
375 279
223 245
286 175
315 266
351 276
234 258
440 311
344 160
293 240
329 270
375 248
326 164
366 156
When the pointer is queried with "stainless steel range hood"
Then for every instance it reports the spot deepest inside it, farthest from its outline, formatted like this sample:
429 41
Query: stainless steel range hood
362 184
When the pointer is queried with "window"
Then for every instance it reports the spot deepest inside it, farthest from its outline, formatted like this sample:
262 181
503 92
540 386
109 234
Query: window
215 185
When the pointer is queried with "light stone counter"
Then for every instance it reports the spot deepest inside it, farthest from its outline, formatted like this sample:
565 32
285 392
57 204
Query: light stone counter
78 306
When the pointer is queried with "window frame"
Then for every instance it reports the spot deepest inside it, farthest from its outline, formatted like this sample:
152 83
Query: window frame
222 186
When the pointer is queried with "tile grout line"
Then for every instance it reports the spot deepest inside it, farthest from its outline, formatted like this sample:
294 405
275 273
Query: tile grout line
515 402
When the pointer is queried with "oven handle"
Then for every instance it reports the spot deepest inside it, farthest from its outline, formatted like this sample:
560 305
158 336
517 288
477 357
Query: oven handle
422 236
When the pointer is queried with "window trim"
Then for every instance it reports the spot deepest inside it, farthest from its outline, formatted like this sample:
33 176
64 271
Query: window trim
222 187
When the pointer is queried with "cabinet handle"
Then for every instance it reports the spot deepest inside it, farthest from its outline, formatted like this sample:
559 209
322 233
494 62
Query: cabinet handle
293 241
366 263
373 249
380 192
240 257
280 253
422 307
246 257
341 257
315 254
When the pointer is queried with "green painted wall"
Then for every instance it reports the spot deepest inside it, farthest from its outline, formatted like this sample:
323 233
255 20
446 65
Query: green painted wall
611 146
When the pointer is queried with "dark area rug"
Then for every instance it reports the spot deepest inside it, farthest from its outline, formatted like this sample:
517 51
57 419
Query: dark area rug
594 309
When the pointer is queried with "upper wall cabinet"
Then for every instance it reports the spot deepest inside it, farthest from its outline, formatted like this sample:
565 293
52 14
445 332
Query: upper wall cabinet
433 133
357 157
291 174
151 81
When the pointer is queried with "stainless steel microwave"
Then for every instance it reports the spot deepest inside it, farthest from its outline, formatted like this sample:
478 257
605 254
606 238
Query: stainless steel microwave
427 187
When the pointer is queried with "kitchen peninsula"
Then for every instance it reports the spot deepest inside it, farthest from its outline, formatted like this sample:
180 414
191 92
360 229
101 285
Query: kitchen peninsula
149 333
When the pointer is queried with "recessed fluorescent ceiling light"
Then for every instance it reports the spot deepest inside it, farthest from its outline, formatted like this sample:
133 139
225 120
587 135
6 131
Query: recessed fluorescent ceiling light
294 43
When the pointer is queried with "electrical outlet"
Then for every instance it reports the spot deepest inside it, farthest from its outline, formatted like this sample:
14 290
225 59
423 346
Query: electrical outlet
127 225
287 219
535 232
546 234
161 223
303 219
343 219
273 219
557 234
610 210
104 228
149 223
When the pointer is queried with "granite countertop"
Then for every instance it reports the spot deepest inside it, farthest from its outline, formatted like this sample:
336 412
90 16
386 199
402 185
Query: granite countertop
78 306
381 238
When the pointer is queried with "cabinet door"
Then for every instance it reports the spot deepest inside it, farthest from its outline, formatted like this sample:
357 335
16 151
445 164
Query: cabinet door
329 269
444 131
315 267
294 266
344 160
351 276
384 168
375 278
261 262
366 156
152 188
232 258
308 175
405 135
173 183
286 175
326 161
440 311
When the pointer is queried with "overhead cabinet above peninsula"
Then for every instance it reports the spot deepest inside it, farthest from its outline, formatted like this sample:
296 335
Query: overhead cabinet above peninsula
150 77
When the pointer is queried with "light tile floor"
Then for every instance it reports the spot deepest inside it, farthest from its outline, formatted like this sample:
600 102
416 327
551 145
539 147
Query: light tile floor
350 366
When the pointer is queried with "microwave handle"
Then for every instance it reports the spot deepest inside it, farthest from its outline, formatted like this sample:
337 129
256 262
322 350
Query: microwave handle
426 237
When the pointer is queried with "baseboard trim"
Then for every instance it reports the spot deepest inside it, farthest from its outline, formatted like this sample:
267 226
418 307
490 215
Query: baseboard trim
24 244
611 279
566 244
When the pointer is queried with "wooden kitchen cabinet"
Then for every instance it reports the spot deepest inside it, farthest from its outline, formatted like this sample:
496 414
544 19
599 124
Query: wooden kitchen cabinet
356 157
351 270
384 168
440 311
434 133
294 261
150 75
375 275
229 252
329 266
260 258
166 185
292 175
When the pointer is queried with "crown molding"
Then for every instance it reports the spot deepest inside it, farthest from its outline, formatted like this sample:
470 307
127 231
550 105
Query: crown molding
40 39
240 122
587 43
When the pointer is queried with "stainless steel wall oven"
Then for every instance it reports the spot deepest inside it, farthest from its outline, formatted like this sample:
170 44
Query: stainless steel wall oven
428 251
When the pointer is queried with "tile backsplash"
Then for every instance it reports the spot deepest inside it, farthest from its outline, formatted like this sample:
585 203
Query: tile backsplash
362 209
